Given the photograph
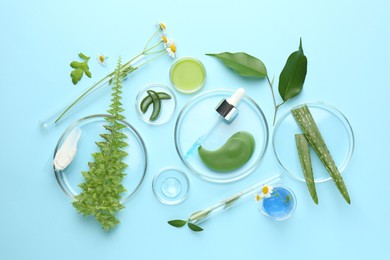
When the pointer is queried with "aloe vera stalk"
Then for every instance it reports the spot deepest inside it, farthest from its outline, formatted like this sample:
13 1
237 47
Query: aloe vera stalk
306 122
304 158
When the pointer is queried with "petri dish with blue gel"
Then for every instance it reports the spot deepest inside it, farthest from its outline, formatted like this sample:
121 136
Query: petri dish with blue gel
171 186
281 205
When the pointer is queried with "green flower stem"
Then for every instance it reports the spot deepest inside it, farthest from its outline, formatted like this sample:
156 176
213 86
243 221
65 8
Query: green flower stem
277 194
151 37
105 80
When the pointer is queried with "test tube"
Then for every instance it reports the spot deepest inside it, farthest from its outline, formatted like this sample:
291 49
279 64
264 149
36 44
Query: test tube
235 199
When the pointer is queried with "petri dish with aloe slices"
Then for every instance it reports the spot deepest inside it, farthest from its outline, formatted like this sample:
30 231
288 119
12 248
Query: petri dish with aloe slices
335 130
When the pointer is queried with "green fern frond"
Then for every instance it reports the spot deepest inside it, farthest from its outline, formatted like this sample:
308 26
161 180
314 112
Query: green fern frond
102 188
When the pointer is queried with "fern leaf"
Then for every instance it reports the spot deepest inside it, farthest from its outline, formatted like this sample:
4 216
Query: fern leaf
102 186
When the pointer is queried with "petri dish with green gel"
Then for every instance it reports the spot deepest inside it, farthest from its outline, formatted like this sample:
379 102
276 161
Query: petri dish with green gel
187 75
196 119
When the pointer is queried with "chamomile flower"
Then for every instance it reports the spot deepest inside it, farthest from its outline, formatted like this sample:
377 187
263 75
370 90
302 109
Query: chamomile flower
171 48
162 26
165 40
258 197
101 59
266 191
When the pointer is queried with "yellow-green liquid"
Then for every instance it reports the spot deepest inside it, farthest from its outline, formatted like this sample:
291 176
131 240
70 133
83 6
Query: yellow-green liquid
187 75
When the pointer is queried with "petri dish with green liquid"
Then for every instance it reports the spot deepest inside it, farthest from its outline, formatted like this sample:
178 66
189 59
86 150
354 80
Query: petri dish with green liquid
187 75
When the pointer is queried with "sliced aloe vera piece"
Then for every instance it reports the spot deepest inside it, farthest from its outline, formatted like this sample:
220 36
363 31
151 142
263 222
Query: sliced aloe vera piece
147 101
156 105
310 129
305 160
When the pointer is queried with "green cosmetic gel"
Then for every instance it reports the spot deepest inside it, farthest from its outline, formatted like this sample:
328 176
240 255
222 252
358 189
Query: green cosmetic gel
237 150
187 75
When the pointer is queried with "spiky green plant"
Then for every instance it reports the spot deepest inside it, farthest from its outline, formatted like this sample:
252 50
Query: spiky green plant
102 188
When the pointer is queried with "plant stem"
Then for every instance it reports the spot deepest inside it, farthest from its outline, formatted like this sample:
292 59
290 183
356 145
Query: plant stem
82 96
151 37
270 83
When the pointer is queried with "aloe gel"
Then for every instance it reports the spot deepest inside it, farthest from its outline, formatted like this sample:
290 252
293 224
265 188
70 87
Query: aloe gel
232 155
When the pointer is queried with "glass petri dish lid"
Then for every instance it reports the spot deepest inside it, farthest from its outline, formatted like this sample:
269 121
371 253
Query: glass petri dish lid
336 131
199 116
171 186
91 127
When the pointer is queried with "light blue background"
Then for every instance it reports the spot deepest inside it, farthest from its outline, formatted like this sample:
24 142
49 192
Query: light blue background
347 45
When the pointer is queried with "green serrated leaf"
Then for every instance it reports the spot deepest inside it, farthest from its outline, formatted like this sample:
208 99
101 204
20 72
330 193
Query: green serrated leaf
194 227
243 64
79 69
293 75
177 223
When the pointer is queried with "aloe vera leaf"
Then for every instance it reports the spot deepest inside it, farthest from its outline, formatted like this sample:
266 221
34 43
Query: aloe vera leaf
304 158
156 105
310 129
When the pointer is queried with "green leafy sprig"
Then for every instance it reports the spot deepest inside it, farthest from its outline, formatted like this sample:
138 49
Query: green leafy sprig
152 51
102 188
291 78
80 68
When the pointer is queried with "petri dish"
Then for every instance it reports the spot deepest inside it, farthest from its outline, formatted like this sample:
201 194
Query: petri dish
171 186
187 75
168 106
91 127
196 119
334 128
281 205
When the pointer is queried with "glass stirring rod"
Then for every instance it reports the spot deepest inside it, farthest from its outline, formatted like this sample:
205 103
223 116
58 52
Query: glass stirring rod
227 112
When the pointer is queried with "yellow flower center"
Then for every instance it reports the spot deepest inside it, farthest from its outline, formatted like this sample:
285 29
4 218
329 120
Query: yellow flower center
102 58
265 190
258 197
162 26
173 48
164 39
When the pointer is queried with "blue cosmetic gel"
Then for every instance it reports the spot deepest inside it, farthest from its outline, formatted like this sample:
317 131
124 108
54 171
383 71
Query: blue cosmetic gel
280 205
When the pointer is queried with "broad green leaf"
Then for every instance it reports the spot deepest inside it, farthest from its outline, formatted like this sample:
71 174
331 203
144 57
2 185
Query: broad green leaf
194 227
242 63
293 75
177 222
